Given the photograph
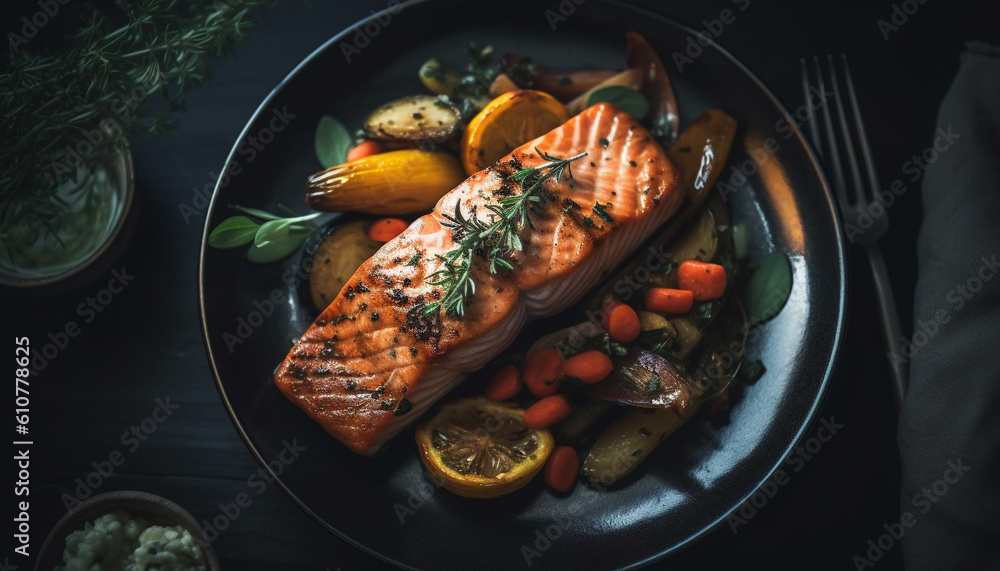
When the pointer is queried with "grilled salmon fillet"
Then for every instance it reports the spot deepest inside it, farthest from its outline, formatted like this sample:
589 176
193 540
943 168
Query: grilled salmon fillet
375 359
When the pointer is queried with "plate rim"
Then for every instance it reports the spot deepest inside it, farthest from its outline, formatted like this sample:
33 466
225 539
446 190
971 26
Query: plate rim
828 210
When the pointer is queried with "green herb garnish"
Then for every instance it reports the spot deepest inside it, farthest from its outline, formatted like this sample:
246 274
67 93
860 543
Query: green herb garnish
705 309
601 210
332 142
625 98
636 378
752 371
768 288
273 237
495 239
473 90
659 341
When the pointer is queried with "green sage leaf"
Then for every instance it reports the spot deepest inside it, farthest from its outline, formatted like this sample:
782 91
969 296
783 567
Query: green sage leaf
275 250
233 232
255 212
332 142
277 230
768 288
625 98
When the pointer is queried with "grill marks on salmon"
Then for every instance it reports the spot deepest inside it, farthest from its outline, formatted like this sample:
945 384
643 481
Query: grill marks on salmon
375 360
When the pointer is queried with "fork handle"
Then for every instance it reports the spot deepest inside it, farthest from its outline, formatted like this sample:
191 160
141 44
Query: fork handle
892 332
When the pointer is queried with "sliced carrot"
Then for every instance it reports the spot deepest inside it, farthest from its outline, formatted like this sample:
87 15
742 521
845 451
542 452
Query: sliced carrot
590 366
364 149
385 229
706 281
668 300
541 371
505 384
547 412
562 469
622 323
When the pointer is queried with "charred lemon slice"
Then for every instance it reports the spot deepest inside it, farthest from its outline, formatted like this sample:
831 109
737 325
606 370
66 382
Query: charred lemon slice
506 123
478 448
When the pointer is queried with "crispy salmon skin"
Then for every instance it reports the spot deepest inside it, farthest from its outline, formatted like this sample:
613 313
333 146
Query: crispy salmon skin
375 359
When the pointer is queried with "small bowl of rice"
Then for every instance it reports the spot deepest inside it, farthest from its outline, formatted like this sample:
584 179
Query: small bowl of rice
127 531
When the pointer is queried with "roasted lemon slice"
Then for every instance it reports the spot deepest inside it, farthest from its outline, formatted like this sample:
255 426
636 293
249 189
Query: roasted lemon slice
478 448
506 123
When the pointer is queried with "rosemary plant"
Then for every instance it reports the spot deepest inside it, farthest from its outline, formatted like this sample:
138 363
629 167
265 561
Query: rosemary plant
107 69
494 239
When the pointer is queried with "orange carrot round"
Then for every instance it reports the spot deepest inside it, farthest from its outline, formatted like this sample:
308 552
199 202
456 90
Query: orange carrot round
505 384
547 412
706 281
668 300
385 229
364 149
541 371
562 469
622 323
590 366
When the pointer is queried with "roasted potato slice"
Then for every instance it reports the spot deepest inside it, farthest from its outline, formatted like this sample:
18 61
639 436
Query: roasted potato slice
338 256
630 439
414 118
688 335
699 243
439 78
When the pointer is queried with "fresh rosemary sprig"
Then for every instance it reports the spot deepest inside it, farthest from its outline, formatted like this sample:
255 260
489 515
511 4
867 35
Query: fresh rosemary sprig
111 67
494 239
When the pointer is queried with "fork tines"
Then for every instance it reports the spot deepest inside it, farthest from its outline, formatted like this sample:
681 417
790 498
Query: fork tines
818 98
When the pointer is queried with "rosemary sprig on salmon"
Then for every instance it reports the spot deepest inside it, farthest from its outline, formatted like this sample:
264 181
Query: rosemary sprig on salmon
494 239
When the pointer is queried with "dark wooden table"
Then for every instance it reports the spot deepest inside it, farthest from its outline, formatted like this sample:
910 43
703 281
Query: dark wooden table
141 349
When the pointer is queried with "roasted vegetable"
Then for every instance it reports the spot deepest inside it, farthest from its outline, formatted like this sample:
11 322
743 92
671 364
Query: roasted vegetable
655 322
628 78
637 432
724 254
629 440
587 414
336 259
468 88
702 150
396 182
663 120
439 78
699 243
414 118
644 379
688 336
502 84
563 84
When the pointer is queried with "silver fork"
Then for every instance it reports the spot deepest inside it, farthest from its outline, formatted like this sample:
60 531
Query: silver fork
856 199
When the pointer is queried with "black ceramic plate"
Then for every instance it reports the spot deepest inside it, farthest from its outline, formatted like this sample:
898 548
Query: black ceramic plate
386 505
